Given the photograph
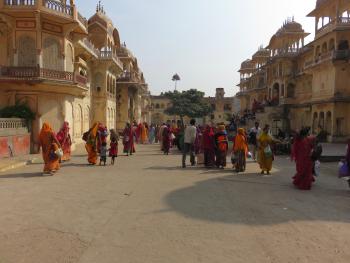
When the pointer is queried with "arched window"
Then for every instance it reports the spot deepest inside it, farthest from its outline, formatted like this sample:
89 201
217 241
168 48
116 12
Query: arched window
315 122
157 106
324 48
321 121
329 122
290 90
69 59
331 45
26 52
52 59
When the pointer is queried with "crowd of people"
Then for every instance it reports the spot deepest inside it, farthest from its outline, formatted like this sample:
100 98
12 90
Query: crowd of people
206 145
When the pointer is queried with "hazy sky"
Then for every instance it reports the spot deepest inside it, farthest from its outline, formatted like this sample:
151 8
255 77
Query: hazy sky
204 41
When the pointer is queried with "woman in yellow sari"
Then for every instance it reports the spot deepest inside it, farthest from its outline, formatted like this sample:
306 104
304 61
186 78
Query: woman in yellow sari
144 133
91 144
265 154
49 145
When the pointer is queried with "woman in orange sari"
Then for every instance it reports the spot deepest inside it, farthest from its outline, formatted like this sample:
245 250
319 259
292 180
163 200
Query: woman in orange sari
91 144
240 150
49 145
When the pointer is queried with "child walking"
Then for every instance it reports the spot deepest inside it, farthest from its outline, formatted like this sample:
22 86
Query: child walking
103 153
113 150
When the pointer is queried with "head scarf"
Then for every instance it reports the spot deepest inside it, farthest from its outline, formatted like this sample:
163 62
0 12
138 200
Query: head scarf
45 132
94 130
241 131
222 127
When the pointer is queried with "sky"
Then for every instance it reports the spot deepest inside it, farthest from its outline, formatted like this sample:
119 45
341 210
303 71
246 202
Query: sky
204 41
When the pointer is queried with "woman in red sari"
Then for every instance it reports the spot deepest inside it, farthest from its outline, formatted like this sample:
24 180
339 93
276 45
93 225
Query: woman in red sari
49 145
166 139
301 154
64 139
128 140
209 147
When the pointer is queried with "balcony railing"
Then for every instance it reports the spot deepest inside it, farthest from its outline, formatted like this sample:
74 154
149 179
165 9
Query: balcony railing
128 77
58 7
22 3
82 20
341 54
340 22
81 80
12 123
88 45
110 56
33 73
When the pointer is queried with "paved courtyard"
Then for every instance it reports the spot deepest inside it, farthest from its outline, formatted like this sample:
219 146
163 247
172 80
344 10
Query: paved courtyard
148 209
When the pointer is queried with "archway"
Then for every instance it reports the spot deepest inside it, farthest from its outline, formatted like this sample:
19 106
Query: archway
276 94
315 122
26 52
328 122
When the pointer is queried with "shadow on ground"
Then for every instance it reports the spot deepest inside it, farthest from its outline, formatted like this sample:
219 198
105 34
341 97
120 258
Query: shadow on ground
255 200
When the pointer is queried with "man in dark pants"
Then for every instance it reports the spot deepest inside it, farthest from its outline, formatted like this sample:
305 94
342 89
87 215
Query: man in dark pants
189 139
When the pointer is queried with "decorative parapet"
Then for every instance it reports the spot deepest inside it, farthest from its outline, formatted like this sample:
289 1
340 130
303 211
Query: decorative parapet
12 126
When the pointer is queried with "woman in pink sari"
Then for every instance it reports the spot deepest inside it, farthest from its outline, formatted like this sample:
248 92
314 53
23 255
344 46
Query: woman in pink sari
301 154
128 140
65 140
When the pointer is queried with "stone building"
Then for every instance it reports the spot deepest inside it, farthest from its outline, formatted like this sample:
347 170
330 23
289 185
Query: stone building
223 109
65 67
290 84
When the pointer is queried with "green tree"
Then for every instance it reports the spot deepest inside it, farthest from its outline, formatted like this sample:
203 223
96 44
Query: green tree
188 103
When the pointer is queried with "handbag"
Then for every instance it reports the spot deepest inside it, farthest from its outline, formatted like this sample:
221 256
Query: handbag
59 153
344 170
268 151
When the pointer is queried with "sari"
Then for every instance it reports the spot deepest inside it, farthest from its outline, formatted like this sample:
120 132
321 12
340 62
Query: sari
152 135
221 147
92 144
166 137
128 140
240 150
144 134
265 158
49 145
301 154
64 139
208 144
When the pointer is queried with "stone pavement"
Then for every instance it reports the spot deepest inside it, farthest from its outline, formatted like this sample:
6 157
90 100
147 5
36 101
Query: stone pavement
148 209
7 164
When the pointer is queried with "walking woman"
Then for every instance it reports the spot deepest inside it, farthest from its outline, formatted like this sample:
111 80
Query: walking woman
265 154
64 139
128 140
301 153
92 142
221 147
152 134
209 147
166 139
50 146
240 150
144 133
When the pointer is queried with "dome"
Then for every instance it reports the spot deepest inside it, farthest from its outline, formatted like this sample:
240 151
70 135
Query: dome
320 2
262 53
99 17
247 64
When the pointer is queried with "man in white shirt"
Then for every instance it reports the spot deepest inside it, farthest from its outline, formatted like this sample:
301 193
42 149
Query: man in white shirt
189 140
254 134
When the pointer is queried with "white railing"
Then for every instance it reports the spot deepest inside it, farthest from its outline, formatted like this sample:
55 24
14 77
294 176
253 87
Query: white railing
12 123
19 2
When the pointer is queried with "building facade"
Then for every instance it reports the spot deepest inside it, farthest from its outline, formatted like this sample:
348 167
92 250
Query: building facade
290 84
223 109
65 67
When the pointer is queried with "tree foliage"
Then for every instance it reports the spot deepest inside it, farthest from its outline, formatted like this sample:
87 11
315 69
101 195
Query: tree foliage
19 110
188 103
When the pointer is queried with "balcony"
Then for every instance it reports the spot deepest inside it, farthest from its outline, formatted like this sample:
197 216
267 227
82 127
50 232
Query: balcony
58 7
340 23
341 54
128 77
322 58
20 3
109 55
37 74
87 44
